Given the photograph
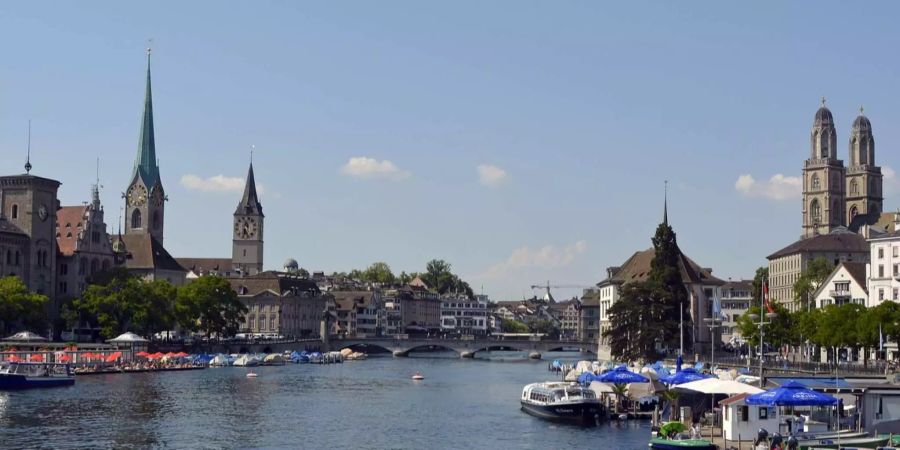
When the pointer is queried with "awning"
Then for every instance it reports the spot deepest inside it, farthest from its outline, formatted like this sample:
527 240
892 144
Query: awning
26 336
717 386
126 338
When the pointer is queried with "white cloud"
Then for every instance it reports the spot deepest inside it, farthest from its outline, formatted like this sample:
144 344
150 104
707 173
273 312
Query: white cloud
217 183
779 187
491 176
546 257
370 168
890 183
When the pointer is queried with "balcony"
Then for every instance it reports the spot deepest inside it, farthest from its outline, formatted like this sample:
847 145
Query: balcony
839 294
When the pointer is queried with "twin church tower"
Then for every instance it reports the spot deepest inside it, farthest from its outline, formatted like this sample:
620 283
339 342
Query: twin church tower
833 196
145 201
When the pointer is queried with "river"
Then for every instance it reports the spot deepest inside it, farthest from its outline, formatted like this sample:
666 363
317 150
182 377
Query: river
371 404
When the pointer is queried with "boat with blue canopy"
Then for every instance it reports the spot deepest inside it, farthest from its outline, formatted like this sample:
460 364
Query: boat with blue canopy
27 375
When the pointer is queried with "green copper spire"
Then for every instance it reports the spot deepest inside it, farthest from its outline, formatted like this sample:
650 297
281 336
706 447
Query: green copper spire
146 164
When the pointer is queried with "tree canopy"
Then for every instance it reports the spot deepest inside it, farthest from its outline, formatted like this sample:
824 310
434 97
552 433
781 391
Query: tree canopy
210 305
815 274
20 308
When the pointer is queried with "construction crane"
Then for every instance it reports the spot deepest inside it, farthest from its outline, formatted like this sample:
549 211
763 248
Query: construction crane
549 286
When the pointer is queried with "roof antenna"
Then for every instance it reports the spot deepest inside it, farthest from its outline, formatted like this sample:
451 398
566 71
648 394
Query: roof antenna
666 202
28 156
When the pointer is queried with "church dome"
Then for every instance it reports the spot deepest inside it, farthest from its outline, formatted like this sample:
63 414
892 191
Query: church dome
823 117
862 123
291 264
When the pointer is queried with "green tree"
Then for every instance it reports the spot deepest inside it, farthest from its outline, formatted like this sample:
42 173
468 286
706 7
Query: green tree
156 310
619 390
544 326
779 331
665 277
513 326
814 275
404 278
303 272
379 272
641 323
438 276
761 275
212 304
114 305
21 308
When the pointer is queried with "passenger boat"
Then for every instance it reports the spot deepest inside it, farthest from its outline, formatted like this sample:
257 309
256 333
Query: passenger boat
26 375
562 402
676 444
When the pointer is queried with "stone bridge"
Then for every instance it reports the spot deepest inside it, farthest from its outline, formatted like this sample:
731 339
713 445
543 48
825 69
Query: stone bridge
465 347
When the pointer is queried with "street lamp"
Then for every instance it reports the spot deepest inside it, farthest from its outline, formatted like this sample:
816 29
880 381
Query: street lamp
713 323
761 324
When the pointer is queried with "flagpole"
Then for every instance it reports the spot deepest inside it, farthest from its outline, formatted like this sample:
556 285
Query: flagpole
681 329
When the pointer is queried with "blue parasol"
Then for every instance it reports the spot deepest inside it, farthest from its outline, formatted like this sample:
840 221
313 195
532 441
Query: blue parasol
586 377
791 394
684 376
621 374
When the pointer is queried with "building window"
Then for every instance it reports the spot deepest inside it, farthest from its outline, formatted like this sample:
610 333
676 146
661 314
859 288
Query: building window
896 270
15 211
816 184
880 294
880 252
95 237
895 251
880 271
136 219
895 294
815 211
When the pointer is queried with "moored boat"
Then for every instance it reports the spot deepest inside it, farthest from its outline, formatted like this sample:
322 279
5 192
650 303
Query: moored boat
27 375
850 443
562 402
675 444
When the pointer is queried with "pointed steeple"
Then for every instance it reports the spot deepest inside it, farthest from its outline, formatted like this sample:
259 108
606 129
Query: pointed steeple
666 203
250 201
145 165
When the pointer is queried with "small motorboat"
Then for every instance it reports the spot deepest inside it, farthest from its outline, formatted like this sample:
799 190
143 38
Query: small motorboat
418 376
675 444
252 374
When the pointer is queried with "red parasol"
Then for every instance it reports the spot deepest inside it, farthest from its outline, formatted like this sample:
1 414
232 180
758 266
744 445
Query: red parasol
142 354
156 355
13 358
37 357
181 355
64 358
113 356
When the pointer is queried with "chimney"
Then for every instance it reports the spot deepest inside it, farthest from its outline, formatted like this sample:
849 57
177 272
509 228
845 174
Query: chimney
897 220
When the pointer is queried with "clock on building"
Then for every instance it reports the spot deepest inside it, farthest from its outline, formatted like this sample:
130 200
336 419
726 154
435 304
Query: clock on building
42 212
137 195
246 228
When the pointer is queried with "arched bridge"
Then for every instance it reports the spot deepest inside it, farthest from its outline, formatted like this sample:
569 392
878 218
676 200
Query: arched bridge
465 347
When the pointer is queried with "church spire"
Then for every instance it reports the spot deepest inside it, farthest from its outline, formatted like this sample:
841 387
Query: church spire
666 203
145 164
250 201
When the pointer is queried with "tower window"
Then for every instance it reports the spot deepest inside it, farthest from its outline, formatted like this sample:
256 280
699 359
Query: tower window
155 220
15 211
815 211
136 219
854 187
245 252
816 184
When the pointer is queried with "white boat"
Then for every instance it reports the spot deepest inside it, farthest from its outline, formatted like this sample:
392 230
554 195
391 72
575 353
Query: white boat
219 361
418 376
247 361
562 402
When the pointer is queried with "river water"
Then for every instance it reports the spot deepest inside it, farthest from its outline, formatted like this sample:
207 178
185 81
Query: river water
371 404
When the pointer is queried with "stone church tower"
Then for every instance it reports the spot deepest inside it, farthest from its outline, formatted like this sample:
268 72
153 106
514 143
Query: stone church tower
145 198
864 181
247 243
823 179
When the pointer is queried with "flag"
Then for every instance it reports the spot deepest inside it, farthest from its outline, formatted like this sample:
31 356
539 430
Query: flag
766 298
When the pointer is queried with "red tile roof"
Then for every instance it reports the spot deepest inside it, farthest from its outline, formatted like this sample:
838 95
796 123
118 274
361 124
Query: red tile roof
69 222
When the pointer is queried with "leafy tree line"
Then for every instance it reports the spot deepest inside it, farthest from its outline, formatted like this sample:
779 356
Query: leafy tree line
116 302
21 309
437 275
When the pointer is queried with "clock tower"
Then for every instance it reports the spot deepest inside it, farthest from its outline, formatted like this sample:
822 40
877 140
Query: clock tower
247 243
145 198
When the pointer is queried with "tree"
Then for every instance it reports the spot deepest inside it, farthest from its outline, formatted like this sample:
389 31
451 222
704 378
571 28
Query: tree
665 275
513 326
19 307
762 274
438 275
640 323
619 390
544 326
404 278
779 331
114 305
210 305
379 272
814 275
303 272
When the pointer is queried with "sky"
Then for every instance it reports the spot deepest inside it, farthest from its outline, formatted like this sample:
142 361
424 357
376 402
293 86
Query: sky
523 142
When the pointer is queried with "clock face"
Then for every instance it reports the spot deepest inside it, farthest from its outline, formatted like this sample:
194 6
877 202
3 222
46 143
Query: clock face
245 228
157 198
42 212
137 195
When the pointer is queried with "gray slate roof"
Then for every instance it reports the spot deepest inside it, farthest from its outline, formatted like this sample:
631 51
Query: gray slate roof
840 241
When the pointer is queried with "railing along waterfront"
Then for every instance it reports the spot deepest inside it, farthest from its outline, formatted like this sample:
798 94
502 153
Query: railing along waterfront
774 365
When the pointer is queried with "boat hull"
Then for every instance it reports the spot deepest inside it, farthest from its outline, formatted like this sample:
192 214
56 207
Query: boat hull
587 413
694 444
15 382
862 443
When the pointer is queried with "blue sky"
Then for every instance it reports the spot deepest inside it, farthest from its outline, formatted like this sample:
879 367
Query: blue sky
575 113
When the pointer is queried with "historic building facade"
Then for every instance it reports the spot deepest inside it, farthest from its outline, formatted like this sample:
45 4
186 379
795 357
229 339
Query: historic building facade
85 246
247 244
